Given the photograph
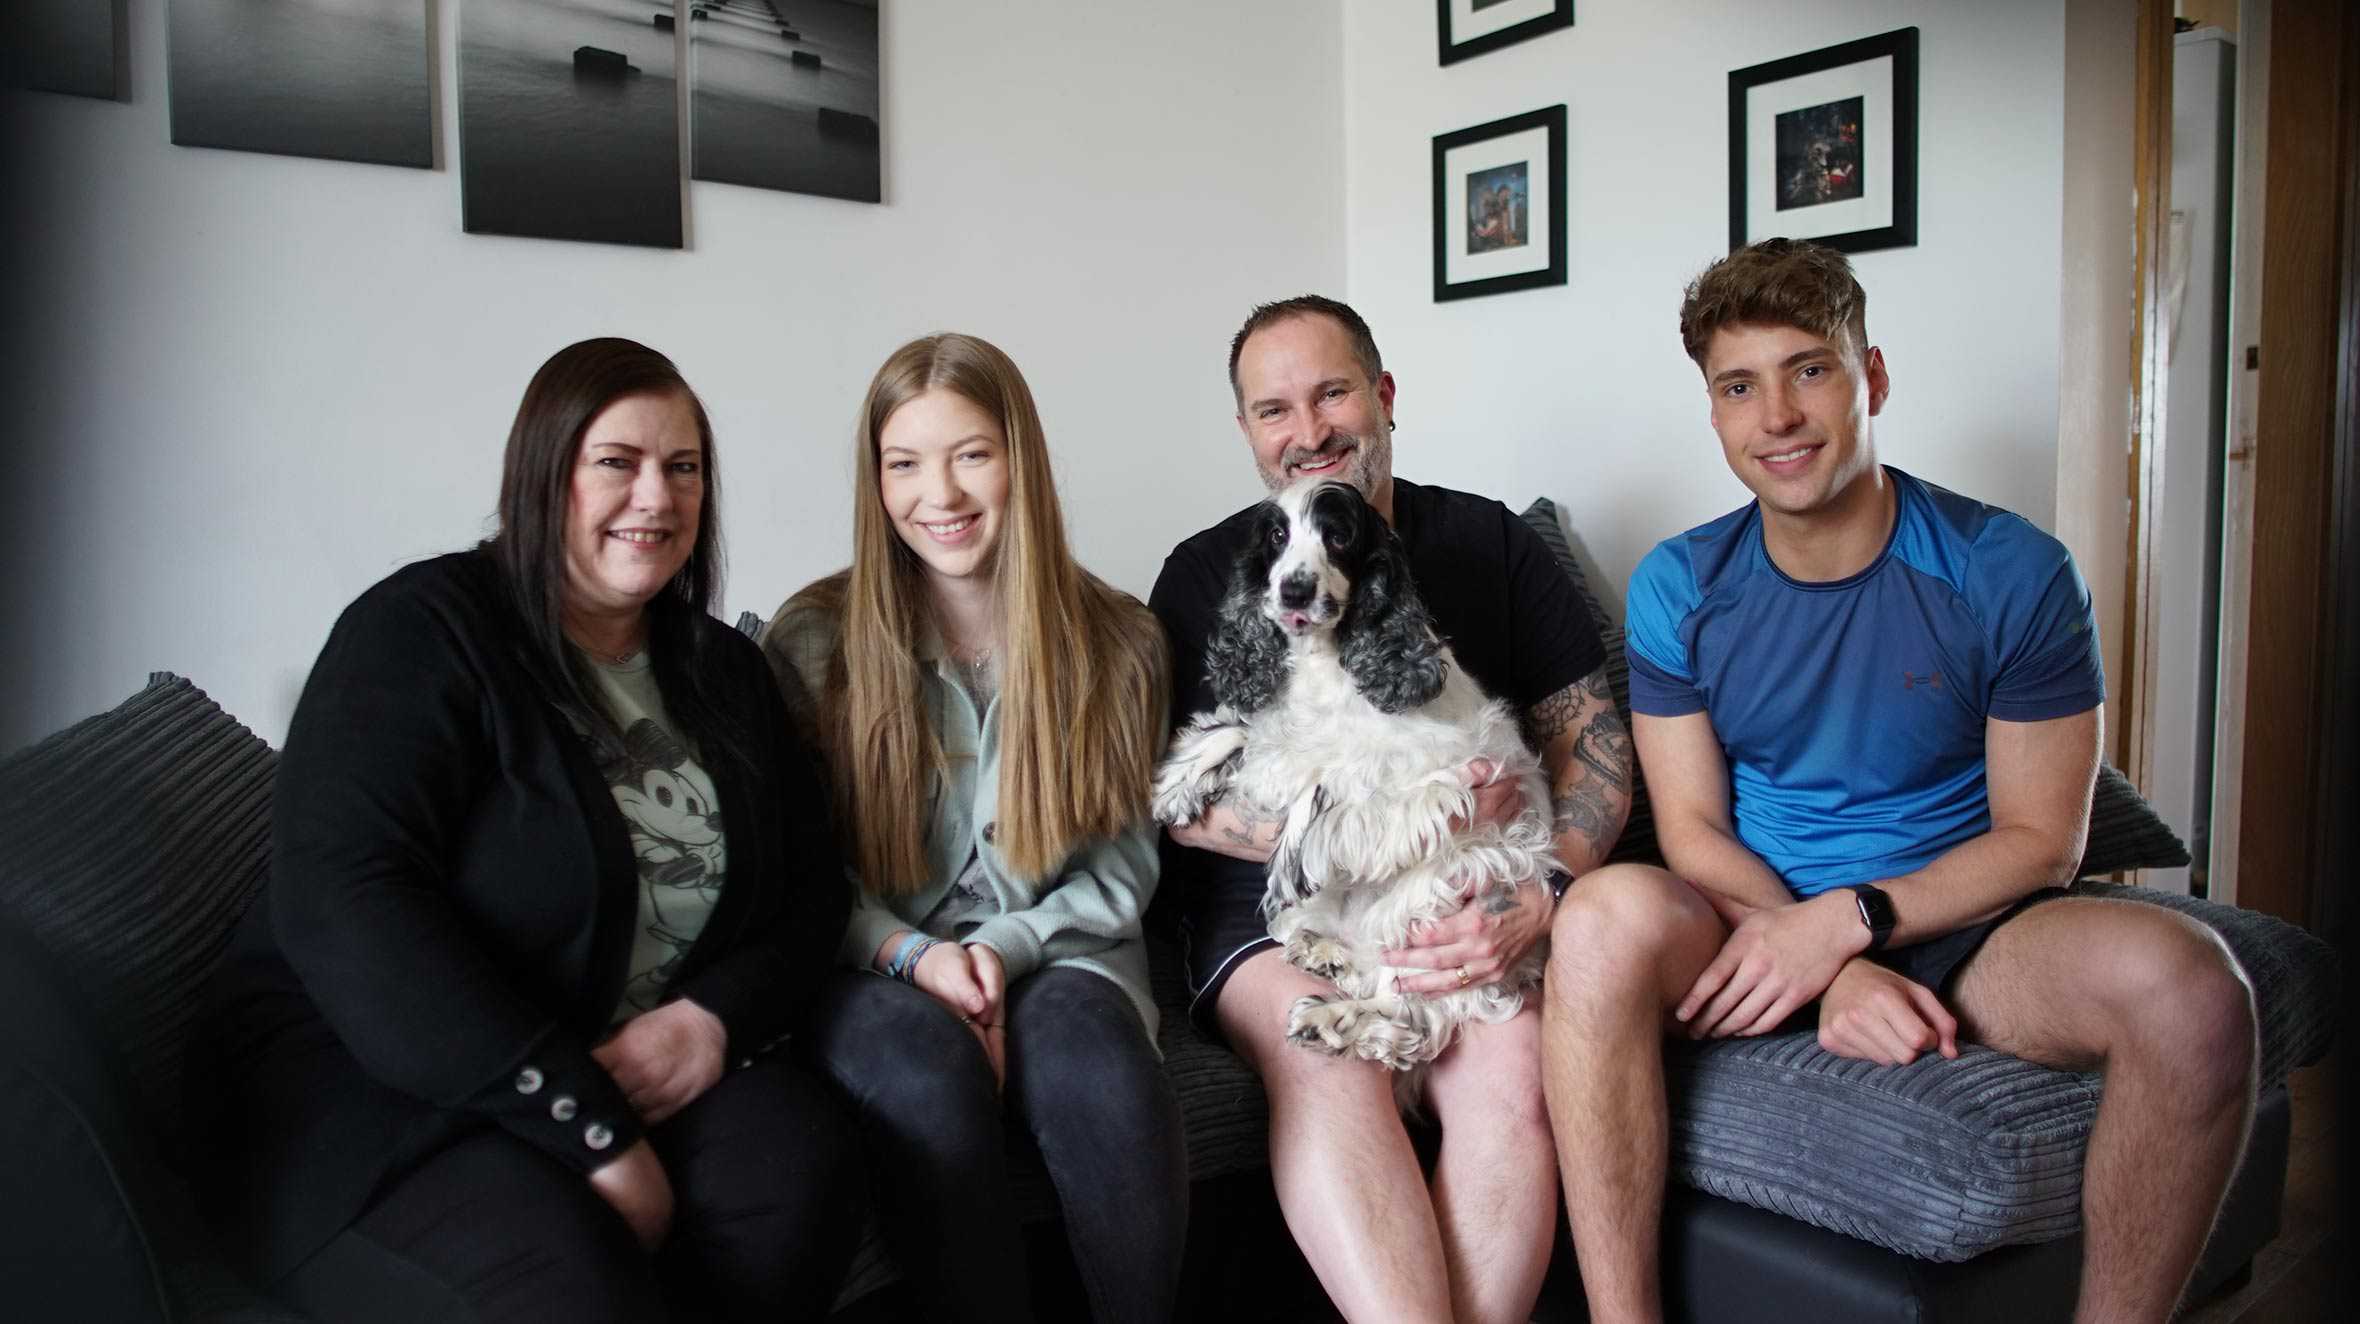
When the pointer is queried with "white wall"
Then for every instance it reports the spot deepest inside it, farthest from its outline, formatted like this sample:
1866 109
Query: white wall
1581 392
252 385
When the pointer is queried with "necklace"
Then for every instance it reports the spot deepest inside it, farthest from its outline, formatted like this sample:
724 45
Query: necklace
609 658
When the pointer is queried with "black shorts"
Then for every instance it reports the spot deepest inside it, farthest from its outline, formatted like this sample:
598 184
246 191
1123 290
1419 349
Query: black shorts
1220 926
1936 961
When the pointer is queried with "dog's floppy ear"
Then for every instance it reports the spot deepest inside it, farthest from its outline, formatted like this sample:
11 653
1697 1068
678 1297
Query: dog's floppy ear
1246 660
1386 640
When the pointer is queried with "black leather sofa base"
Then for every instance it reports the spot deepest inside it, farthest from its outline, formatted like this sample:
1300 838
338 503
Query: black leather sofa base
1732 1264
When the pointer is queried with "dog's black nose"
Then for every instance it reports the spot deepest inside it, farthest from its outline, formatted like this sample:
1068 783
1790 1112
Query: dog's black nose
1295 590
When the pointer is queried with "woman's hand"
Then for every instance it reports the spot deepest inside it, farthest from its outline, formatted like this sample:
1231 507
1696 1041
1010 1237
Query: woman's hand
635 1185
665 1058
970 981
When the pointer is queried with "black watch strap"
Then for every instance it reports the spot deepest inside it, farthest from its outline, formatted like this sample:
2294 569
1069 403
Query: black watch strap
1876 911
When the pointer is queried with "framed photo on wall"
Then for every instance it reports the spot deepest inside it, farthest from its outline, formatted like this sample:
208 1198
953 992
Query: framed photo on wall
1499 206
1823 146
1467 28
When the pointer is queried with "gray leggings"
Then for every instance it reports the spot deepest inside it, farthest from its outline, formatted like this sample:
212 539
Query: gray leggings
1084 1081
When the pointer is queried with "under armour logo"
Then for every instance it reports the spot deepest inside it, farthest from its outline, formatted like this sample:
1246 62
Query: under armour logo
1931 680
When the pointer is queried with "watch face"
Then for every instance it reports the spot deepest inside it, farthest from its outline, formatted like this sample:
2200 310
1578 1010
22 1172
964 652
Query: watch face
1876 910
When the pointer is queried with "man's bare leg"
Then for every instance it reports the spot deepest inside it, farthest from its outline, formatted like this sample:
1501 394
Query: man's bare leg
1495 1184
1627 943
1348 1180
2167 1016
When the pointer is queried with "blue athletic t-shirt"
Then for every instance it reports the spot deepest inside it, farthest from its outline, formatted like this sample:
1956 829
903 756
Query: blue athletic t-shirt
1852 711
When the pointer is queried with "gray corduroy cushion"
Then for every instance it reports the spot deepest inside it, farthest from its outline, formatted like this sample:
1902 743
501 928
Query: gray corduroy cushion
134 840
1945 1160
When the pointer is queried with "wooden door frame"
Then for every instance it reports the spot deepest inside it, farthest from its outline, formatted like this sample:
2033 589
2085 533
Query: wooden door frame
2292 749
2151 173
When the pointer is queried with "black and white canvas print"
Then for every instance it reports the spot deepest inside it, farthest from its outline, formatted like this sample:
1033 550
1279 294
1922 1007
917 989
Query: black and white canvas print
1823 146
349 80
567 122
1819 154
785 95
70 46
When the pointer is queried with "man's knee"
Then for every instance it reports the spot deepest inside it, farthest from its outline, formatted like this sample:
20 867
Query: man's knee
1491 1079
2175 995
1628 923
1253 1011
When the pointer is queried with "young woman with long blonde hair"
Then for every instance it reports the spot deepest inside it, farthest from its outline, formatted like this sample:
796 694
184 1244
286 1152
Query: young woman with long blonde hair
991 714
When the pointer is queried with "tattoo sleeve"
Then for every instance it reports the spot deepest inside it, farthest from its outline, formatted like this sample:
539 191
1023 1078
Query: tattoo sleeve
1593 790
1249 822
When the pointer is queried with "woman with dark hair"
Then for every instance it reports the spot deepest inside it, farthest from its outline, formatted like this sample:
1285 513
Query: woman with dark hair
991 714
551 880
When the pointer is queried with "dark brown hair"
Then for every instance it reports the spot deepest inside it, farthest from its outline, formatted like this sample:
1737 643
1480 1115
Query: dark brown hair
536 487
1364 344
1776 282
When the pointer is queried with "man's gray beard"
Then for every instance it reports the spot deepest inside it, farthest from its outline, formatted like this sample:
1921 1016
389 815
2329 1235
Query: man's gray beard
1372 458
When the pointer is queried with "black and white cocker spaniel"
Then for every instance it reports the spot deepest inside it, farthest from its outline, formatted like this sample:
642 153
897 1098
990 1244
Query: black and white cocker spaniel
1344 715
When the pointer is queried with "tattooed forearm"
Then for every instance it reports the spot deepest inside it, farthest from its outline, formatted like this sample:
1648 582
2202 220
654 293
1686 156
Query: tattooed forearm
1604 747
1594 768
1246 824
1585 808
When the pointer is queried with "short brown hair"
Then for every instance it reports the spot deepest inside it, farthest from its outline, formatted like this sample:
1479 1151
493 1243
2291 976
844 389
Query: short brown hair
1364 344
1778 282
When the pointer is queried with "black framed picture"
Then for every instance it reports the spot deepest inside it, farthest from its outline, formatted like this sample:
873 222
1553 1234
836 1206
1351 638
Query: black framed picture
1823 146
1499 206
1467 28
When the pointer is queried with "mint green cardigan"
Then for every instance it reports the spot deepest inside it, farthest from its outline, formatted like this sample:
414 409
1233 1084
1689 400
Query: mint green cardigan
1085 914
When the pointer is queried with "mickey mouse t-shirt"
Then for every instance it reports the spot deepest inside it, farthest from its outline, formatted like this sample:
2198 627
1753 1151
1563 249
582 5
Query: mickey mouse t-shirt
674 817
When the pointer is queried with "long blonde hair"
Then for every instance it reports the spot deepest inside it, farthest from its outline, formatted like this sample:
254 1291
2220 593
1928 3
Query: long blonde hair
1083 666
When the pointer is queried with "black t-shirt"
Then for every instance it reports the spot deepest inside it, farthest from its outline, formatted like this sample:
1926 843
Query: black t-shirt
1497 597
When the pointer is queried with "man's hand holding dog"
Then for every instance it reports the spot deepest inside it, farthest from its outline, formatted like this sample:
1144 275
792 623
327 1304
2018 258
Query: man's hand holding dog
1495 929
1475 946
1777 959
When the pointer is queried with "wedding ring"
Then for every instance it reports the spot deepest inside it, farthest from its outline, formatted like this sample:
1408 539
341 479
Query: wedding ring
1462 976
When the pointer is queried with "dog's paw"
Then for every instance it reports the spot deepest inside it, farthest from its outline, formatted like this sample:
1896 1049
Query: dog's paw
1390 1044
1195 773
1318 954
1178 800
1321 1024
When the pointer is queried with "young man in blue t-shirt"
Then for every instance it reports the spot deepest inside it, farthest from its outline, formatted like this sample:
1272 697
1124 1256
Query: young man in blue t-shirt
1869 712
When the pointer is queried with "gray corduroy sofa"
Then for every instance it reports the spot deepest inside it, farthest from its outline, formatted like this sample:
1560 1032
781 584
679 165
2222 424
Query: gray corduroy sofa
1813 1188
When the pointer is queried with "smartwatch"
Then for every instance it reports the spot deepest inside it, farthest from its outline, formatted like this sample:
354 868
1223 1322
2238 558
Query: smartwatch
1876 911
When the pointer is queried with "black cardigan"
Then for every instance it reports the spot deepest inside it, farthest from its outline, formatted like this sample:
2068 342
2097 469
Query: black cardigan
451 906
